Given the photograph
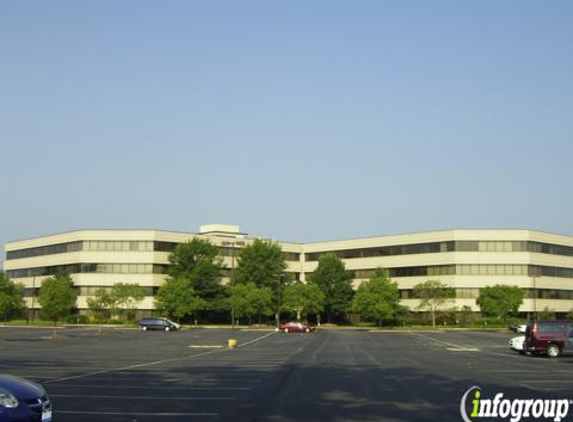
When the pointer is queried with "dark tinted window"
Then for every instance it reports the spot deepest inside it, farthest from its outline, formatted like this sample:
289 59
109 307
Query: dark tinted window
550 328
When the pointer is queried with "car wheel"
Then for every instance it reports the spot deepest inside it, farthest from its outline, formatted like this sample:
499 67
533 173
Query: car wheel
144 328
307 330
167 329
553 351
286 330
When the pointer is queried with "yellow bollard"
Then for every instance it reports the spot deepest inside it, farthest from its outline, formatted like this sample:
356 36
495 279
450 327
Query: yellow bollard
232 343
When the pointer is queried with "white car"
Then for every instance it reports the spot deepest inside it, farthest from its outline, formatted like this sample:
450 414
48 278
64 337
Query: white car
516 343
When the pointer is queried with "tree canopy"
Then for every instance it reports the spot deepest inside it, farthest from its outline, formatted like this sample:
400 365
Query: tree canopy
11 297
377 299
100 305
500 301
302 298
250 301
335 282
57 297
177 298
119 300
198 262
261 263
433 294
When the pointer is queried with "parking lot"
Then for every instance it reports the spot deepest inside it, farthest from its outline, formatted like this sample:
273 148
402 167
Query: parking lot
129 375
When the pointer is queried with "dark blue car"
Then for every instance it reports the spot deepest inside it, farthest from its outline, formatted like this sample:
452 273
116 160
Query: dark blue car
158 323
23 401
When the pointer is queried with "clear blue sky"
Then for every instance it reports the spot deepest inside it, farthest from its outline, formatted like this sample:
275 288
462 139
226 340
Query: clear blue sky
298 120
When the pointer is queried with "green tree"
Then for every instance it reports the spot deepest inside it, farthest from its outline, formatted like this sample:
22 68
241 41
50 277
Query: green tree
302 298
193 282
11 297
433 294
465 315
335 282
57 297
250 300
199 262
100 305
378 298
177 298
500 301
262 263
115 302
125 297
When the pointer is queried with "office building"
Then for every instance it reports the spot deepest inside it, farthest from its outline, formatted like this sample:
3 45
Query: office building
539 263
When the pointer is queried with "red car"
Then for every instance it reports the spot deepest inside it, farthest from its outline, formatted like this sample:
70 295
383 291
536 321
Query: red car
296 327
548 337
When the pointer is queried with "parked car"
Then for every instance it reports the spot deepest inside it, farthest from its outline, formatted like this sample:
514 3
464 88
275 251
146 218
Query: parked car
518 328
296 327
22 400
547 338
517 343
158 323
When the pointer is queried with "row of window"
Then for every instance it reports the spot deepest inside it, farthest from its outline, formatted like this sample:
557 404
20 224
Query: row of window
416 271
117 246
45 250
457 246
420 248
89 268
88 290
472 293
460 293
92 290
470 269
87 245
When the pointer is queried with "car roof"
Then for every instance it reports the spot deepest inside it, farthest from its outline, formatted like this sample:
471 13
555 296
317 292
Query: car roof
559 321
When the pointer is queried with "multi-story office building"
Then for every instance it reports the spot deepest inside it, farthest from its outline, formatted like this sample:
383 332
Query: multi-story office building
467 260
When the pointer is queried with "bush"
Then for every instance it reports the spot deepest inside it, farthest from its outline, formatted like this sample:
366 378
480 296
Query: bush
76 319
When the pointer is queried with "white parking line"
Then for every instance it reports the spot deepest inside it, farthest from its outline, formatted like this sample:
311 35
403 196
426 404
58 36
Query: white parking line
142 387
547 381
541 388
463 349
195 379
257 339
453 347
72 412
158 362
95 396
214 346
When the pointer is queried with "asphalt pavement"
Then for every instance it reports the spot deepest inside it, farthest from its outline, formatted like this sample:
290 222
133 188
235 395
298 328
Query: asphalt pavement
131 376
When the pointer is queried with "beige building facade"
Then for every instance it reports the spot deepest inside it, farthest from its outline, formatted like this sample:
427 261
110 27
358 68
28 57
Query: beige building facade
539 263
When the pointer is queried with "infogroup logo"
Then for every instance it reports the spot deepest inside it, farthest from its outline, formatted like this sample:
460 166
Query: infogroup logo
513 409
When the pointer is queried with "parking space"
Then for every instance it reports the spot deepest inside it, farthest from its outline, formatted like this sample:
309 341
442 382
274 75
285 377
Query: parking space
128 375
494 360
